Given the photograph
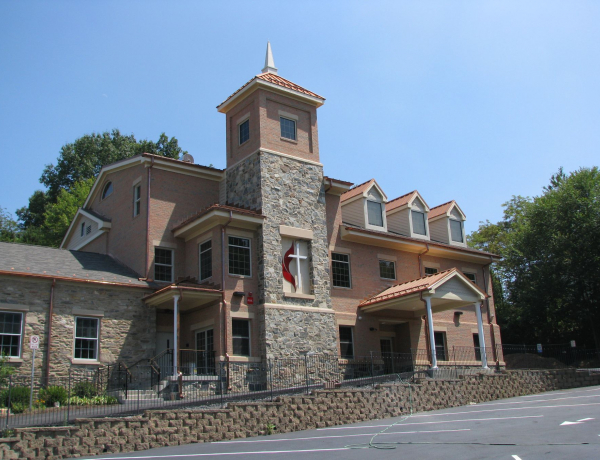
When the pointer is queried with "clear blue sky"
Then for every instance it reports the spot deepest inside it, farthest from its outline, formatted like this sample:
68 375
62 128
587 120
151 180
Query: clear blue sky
468 100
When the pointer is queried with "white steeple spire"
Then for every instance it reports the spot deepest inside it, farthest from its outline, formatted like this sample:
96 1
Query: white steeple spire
269 62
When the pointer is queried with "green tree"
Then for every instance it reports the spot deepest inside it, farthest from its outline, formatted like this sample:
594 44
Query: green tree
550 271
9 229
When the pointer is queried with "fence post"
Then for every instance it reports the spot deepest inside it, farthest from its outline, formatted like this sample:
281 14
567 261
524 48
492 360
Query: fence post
306 372
372 370
9 394
221 381
69 400
270 376
455 363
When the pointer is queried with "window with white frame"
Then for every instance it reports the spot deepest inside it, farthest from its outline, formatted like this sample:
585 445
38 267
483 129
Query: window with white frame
137 200
163 264
239 256
456 230
340 270
346 342
375 213
418 222
86 338
430 271
240 333
288 128
244 131
107 191
387 269
205 258
11 333
296 274
471 276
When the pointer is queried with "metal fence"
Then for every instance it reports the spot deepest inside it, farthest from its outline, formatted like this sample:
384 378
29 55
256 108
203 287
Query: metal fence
204 380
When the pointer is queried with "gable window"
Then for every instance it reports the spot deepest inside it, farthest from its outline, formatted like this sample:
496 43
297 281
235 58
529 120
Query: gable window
440 345
107 191
456 232
163 264
288 128
244 131
346 342
472 277
430 271
418 222
11 331
295 266
340 270
82 228
387 269
137 200
240 333
205 257
239 256
374 211
86 338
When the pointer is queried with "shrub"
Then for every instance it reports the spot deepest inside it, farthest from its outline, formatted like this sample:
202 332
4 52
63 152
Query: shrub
18 407
54 394
94 401
19 395
85 389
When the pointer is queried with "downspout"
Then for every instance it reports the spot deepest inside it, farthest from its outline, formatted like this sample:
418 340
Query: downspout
50 313
421 262
489 317
148 219
223 316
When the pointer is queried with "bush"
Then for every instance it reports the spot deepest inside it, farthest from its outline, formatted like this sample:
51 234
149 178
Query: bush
94 401
19 395
54 394
18 407
85 389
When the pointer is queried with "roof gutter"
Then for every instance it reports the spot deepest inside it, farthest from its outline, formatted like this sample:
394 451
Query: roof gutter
77 280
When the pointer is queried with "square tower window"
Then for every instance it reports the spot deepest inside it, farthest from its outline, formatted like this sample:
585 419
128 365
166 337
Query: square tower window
288 128
244 129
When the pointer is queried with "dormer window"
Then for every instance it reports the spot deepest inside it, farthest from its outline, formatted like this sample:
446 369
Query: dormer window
456 231
107 191
418 222
375 213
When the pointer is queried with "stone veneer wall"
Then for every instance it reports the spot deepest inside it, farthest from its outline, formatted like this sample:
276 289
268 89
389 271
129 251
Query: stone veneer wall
127 329
290 192
323 408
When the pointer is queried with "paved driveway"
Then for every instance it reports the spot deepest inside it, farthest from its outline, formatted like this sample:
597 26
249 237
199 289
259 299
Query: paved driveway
555 425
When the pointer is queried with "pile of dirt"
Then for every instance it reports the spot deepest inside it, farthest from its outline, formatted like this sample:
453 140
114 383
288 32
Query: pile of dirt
531 361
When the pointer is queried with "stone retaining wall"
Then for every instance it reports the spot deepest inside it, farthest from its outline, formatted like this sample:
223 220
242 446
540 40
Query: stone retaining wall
289 413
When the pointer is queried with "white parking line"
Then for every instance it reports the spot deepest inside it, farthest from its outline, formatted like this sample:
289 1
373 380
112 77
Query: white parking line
225 453
516 457
428 423
505 409
309 438
529 401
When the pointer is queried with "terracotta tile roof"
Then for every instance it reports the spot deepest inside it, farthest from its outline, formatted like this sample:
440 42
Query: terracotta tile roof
277 80
357 190
420 241
400 201
439 210
237 210
409 287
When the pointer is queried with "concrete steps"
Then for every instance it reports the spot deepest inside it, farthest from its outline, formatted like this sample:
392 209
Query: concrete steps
138 395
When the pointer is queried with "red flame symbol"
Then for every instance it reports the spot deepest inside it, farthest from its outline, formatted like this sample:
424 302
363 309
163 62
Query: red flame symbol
286 266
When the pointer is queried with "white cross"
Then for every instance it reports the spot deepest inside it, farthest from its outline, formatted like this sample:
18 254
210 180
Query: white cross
297 256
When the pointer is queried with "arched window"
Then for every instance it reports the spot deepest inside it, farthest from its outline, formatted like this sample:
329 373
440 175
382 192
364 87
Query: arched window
108 189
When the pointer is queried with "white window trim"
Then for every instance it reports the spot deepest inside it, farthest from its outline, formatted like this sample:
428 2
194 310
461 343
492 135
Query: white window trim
295 139
413 234
249 336
21 333
250 255
165 265
87 360
368 226
349 269
387 260
462 229
200 259
137 200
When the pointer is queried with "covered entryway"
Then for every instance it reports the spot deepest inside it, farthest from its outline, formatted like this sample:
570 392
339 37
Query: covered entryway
446 290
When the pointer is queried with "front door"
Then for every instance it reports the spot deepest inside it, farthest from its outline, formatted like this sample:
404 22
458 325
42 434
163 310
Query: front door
387 354
164 352
205 356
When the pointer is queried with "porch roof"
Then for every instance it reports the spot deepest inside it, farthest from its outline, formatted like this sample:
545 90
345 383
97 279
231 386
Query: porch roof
189 297
447 289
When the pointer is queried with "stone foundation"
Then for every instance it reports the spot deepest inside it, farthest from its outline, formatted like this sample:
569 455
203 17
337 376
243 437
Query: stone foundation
290 413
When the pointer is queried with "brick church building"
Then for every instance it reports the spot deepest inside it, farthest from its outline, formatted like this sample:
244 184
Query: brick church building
268 257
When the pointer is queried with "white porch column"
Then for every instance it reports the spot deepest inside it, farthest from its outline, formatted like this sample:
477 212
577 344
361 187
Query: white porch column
175 333
481 337
431 336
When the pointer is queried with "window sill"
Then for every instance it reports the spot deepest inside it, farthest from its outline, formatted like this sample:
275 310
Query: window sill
86 361
231 275
342 287
293 295
14 359
291 141
244 359
387 279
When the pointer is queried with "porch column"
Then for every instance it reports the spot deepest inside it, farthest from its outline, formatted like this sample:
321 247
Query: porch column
431 337
481 337
175 333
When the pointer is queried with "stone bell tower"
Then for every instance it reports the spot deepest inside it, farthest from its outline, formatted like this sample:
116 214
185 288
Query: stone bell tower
273 165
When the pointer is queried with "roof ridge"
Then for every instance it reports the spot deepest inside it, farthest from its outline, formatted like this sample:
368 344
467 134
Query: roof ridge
443 204
402 196
356 186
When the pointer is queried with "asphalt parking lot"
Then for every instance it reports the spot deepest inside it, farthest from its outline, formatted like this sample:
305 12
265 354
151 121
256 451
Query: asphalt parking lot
555 425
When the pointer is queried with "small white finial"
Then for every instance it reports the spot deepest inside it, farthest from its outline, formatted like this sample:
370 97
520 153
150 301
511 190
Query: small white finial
269 62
